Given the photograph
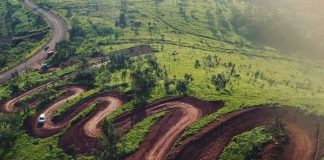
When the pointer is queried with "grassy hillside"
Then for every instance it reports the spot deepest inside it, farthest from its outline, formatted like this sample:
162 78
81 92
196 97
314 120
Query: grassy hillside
187 32
21 32
202 50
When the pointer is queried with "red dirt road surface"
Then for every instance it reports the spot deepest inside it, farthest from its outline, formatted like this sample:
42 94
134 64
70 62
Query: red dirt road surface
85 133
9 106
181 113
49 128
303 131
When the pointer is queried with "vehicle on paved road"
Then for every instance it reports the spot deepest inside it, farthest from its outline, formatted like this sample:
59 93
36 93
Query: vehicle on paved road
50 53
46 47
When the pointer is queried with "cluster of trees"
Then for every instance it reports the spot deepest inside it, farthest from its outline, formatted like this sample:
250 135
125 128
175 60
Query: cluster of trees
76 29
104 31
178 86
10 129
220 81
143 80
64 50
211 61
117 61
107 149
85 75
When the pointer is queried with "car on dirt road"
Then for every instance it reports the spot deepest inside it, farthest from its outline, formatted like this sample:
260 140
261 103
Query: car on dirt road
41 119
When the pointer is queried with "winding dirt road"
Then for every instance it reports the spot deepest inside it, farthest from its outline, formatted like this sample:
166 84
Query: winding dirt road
303 131
58 33
306 132
49 128
84 134
9 106
182 112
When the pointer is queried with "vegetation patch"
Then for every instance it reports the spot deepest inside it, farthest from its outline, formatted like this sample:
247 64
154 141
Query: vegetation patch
78 100
247 145
130 142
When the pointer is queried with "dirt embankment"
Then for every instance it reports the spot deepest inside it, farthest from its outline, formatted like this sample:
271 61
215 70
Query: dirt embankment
182 112
303 131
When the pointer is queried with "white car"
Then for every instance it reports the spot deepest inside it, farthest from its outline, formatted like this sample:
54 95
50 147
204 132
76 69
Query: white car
41 119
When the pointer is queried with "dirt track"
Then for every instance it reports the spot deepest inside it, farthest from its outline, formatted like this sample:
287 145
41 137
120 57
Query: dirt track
302 129
306 133
49 128
181 113
9 106
84 134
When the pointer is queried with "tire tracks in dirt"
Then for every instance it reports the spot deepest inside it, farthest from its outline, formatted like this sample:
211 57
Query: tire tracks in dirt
211 141
182 111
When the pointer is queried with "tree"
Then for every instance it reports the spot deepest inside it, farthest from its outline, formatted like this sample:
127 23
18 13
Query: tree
76 29
107 143
278 132
182 87
68 13
64 50
142 82
188 78
122 20
39 21
14 88
197 64
123 75
220 81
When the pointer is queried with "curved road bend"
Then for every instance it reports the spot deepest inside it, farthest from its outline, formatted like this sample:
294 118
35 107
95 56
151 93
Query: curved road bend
58 33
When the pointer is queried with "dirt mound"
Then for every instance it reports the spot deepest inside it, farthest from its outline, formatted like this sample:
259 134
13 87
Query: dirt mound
303 131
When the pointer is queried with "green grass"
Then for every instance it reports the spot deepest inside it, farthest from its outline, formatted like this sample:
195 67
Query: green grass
245 146
32 79
78 100
30 148
130 142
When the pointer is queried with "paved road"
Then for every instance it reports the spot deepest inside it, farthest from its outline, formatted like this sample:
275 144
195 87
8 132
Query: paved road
58 33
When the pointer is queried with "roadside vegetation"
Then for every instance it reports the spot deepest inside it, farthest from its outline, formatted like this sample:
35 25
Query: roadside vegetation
22 33
247 145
